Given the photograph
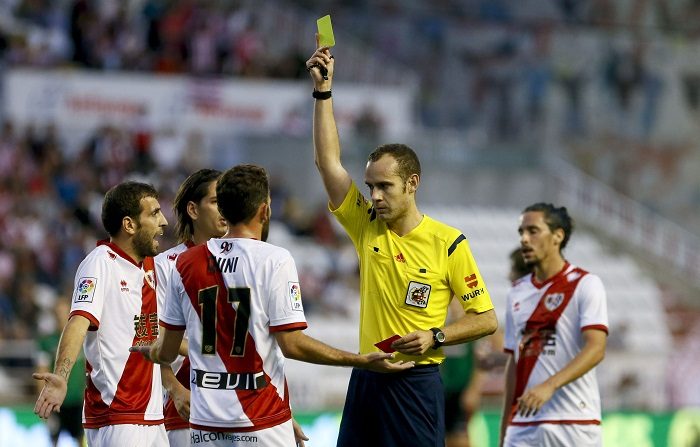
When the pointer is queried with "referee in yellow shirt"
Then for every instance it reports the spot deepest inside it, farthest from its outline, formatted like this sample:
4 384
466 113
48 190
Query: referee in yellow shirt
411 266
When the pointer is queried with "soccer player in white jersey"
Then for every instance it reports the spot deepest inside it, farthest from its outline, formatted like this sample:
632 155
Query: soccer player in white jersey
239 299
114 307
197 220
556 330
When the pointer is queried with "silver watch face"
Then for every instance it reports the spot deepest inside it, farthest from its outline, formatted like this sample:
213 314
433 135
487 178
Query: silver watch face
440 337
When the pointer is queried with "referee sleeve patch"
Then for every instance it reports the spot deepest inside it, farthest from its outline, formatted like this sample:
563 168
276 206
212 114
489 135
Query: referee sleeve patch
454 245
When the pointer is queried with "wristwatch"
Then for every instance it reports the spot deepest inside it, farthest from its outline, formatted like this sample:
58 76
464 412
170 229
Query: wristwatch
438 337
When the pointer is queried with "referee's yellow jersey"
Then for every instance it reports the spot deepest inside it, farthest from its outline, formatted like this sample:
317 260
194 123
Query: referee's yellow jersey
406 283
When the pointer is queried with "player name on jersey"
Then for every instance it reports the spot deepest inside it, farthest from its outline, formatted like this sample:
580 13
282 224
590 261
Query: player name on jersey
229 381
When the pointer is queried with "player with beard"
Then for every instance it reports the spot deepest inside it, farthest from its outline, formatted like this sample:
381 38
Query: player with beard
114 307
239 300
555 332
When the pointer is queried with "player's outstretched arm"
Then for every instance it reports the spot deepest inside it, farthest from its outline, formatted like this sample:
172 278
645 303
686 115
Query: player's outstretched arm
298 346
165 349
56 383
335 178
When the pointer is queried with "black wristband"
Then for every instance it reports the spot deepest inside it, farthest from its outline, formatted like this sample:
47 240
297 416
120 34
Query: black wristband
321 95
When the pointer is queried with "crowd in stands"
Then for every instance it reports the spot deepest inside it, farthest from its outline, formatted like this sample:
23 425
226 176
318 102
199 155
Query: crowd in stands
50 204
201 38
591 77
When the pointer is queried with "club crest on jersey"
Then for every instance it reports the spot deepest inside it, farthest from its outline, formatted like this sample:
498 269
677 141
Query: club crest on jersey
226 247
553 300
295 296
150 278
85 290
418 294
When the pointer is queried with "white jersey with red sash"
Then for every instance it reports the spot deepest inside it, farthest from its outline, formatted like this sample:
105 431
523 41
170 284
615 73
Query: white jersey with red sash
544 325
165 264
118 296
231 295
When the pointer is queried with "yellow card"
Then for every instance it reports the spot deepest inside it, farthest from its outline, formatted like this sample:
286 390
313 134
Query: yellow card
325 32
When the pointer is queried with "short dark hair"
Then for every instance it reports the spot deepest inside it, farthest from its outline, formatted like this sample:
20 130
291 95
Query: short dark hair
240 191
193 189
124 200
555 217
405 157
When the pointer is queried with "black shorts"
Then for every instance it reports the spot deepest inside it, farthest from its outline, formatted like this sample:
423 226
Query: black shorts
455 416
70 419
405 409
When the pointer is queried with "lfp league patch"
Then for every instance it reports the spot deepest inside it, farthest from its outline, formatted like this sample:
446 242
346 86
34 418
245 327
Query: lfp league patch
85 290
294 292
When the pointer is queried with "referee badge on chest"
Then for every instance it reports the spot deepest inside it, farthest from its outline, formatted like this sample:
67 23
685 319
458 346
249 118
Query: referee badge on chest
418 294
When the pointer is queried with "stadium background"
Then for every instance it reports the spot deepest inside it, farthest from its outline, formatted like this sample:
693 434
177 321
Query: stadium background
593 104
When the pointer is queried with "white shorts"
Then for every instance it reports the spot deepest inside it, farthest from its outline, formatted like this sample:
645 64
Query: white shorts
127 435
281 435
554 435
179 438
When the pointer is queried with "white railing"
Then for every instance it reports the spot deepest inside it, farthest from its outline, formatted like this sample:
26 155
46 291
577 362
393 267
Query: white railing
621 217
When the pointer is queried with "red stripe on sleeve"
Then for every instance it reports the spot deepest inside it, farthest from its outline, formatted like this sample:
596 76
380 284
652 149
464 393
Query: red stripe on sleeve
94 323
288 327
600 327
171 327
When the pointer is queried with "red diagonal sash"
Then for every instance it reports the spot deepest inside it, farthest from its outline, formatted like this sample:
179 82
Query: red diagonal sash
541 326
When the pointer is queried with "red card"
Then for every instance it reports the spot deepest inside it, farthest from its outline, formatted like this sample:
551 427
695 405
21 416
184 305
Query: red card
385 345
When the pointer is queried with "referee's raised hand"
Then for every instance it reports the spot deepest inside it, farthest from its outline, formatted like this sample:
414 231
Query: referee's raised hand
321 66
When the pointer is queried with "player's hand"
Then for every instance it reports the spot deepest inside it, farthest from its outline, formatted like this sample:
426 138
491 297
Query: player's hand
379 362
181 400
51 396
145 350
415 343
322 57
532 400
299 435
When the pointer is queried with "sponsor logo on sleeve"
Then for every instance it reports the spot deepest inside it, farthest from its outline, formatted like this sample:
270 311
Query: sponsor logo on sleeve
85 290
471 281
295 296
418 294
473 294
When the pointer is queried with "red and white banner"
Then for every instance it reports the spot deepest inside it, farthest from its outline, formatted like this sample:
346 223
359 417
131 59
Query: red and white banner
83 100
